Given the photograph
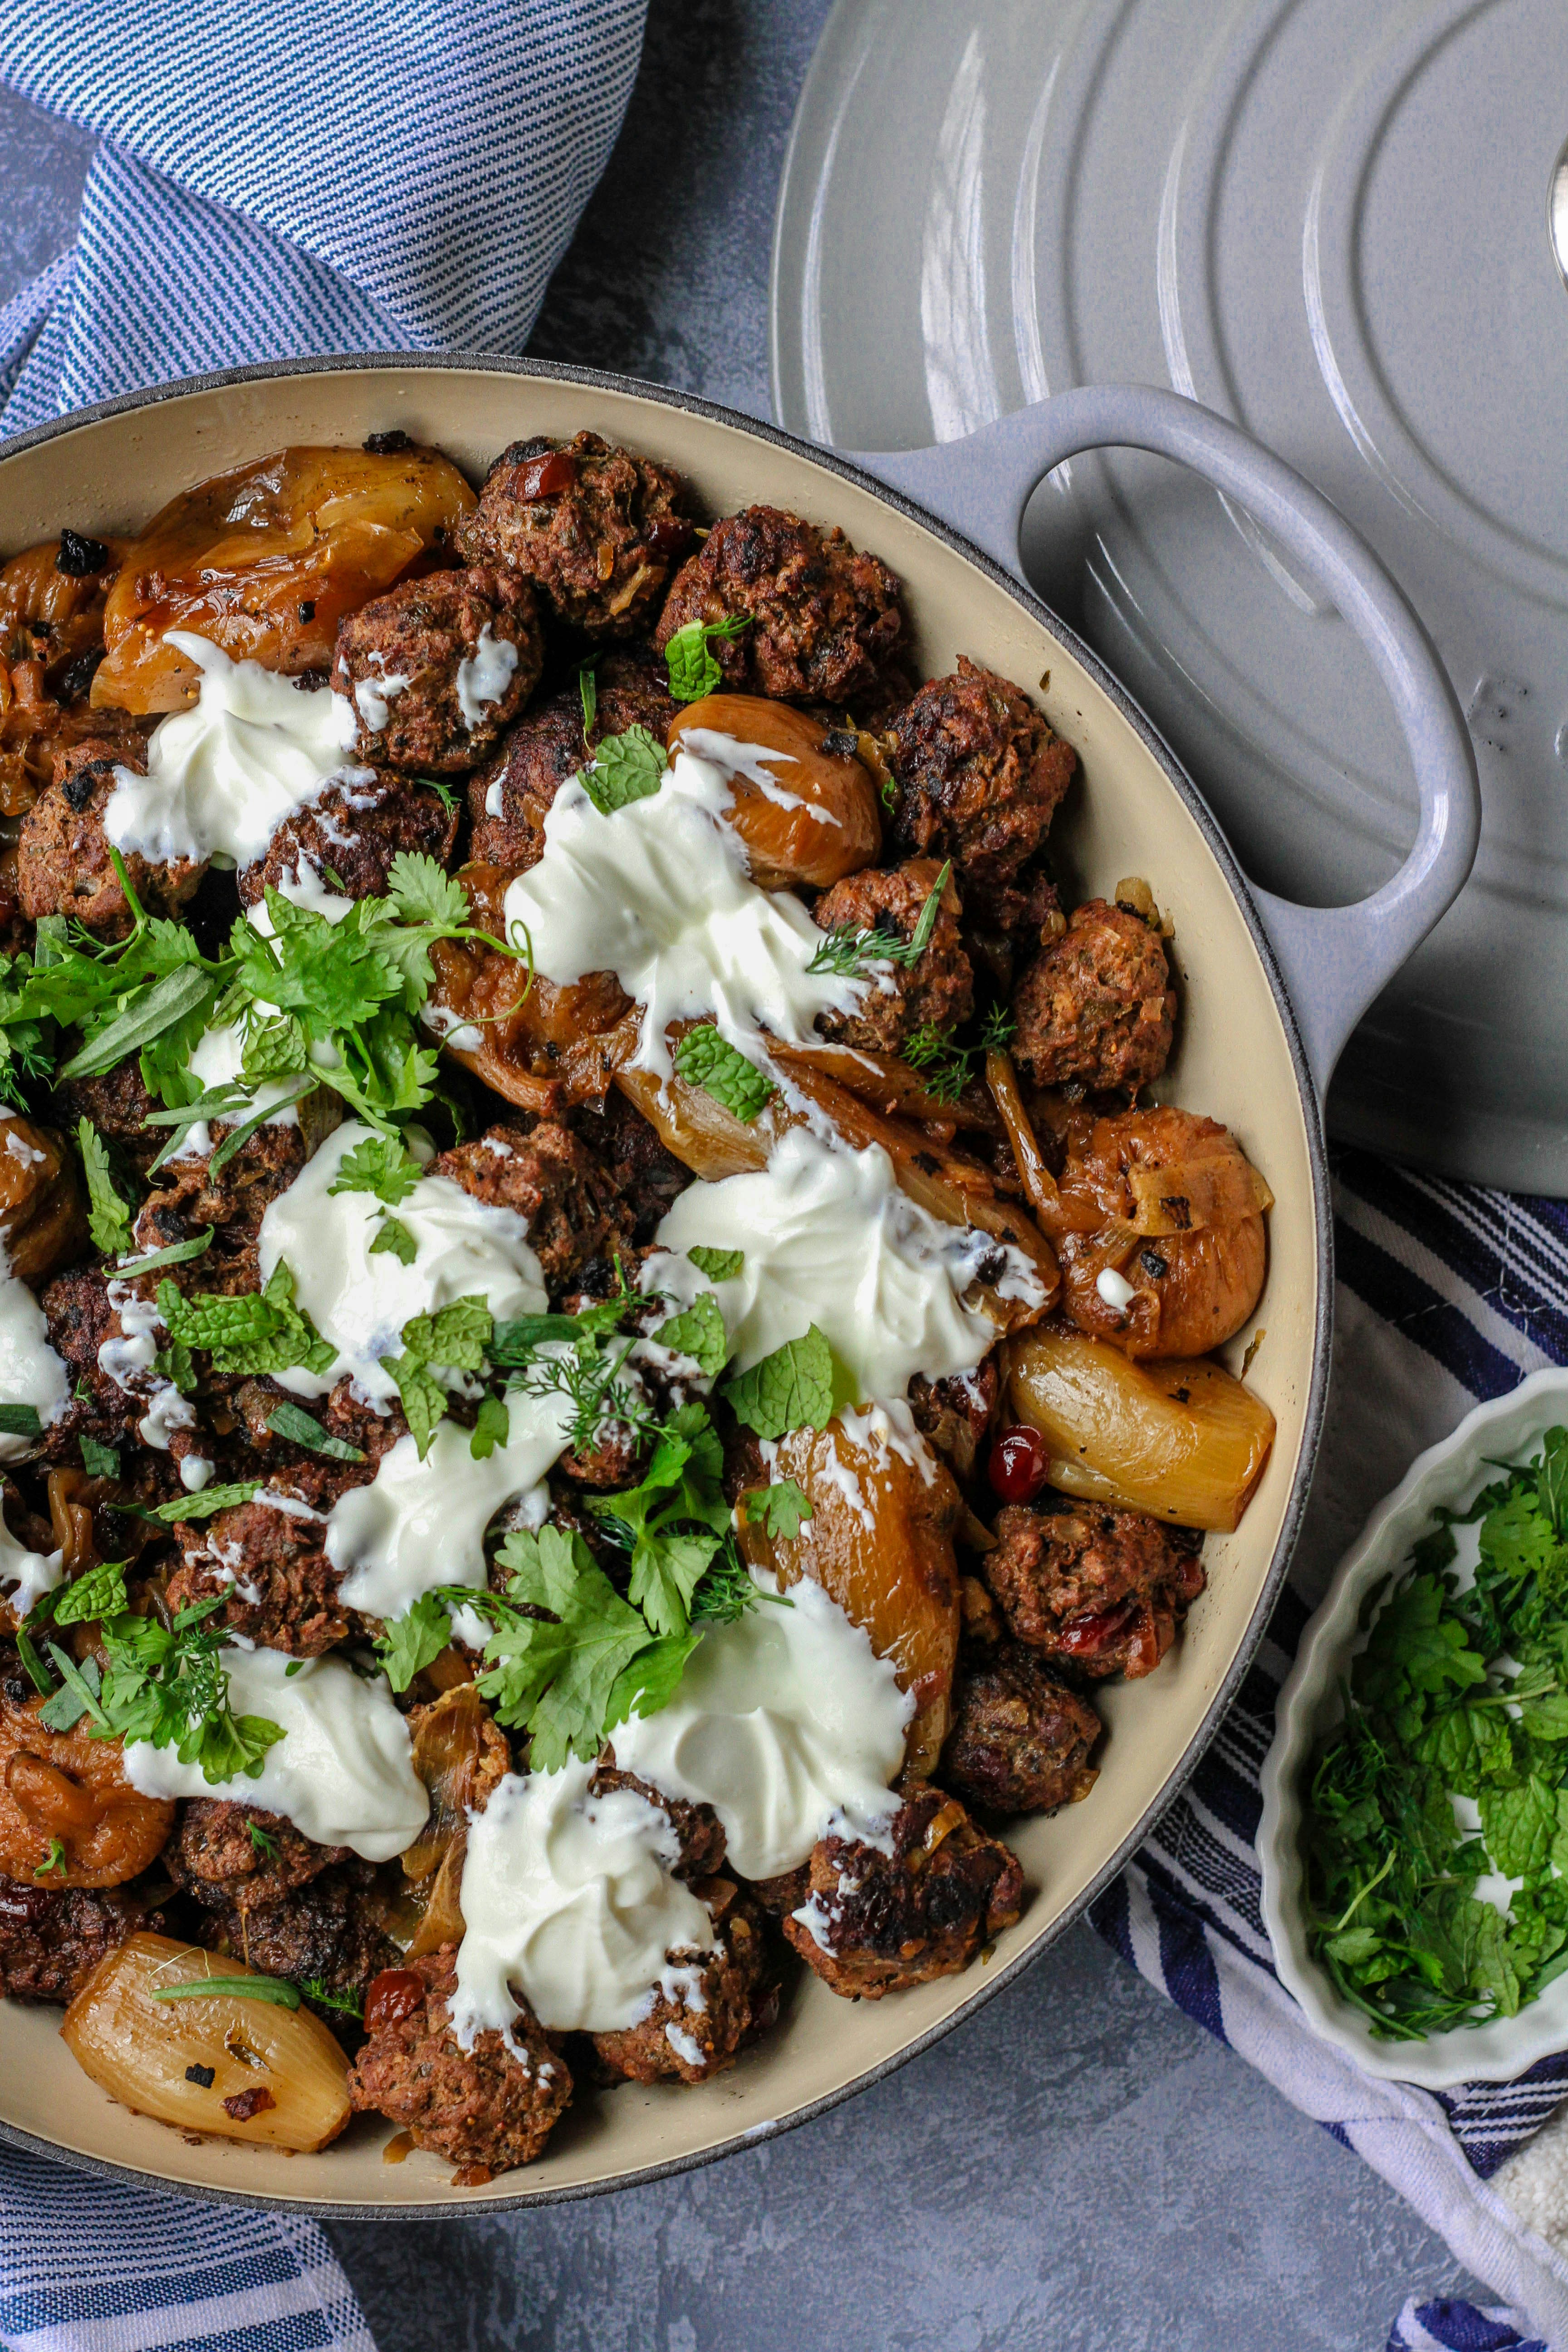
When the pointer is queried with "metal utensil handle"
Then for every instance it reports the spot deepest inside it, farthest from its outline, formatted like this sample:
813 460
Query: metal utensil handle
1335 960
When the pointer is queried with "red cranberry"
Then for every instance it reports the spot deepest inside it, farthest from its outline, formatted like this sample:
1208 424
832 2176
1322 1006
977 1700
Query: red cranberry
1019 1464
393 1995
547 477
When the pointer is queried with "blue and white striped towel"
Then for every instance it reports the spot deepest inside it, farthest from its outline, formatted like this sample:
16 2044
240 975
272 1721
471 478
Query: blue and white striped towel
1447 1294
278 178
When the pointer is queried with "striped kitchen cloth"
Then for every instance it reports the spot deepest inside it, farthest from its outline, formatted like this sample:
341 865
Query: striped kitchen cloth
279 179
1447 1294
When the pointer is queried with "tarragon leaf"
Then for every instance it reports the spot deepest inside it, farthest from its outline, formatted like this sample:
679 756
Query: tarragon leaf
302 1428
108 1218
703 1058
791 1388
203 1505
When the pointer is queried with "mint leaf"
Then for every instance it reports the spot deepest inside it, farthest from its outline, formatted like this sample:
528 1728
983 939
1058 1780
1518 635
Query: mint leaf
1519 1825
703 1058
493 1427
781 1510
693 672
718 1264
791 1388
624 768
99 1461
698 1332
257 1331
21 1421
380 1165
108 1218
392 1234
204 1505
99 1593
456 1337
424 1398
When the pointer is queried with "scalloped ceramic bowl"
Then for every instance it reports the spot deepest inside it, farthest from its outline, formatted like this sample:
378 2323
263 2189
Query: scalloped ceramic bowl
1242 1057
1310 1709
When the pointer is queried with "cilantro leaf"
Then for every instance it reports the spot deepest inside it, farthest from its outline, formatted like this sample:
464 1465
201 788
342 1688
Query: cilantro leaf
675 1518
651 1680
781 1510
380 1165
623 768
553 1675
791 1388
693 672
718 1264
108 1218
409 1643
698 1333
703 1058
424 892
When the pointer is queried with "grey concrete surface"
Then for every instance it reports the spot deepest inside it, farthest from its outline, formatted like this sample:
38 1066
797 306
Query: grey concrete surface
1079 2167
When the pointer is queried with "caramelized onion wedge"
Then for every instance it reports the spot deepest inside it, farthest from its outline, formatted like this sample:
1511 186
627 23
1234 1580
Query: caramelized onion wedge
821 821
1197 1195
149 2054
43 1219
1040 1185
1182 1440
266 560
890 1084
879 1540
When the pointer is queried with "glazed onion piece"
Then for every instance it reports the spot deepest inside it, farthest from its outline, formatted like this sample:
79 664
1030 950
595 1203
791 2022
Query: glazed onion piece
827 826
266 561
891 1086
879 1540
68 1786
459 1756
1159 1223
1184 1441
42 1224
226 2063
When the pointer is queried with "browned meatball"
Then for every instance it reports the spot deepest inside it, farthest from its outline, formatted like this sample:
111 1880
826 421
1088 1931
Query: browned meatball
509 800
63 865
487 2106
597 529
1021 1740
80 1319
263 1559
437 669
825 620
1096 1007
52 1939
955 1412
698 1829
573 1210
188 1199
936 993
876 1923
117 1104
350 835
325 1933
342 1416
648 1178
237 1857
980 776
712 2001
1100 1590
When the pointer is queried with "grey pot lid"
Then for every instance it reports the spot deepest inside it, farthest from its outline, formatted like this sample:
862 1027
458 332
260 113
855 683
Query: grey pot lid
1333 225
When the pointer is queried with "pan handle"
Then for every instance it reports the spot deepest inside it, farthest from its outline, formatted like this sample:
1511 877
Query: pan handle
1335 960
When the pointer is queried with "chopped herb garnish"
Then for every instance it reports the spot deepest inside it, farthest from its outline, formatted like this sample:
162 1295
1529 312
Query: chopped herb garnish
623 768
177 1253
781 1510
108 1218
393 1237
791 1388
99 1593
265 1844
347 2004
493 1427
718 1264
20 1421
255 1331
302 1428
693 672
703 1058
698 1332
55 1860
382 1165
203 1505
946 1065
99 1461
850 951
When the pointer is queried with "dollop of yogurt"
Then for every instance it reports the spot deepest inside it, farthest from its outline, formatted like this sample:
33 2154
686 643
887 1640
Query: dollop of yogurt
342 1772
223 775
30 1370
360 1302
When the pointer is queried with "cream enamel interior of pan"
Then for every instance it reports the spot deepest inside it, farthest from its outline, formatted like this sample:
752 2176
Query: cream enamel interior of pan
1234 1063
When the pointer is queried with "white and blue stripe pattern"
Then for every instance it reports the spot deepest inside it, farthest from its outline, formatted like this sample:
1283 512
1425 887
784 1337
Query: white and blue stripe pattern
279 179
1447 1294
95 2266
1447 2327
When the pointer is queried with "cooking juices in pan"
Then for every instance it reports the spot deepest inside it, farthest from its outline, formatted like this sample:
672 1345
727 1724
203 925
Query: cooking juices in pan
604 1340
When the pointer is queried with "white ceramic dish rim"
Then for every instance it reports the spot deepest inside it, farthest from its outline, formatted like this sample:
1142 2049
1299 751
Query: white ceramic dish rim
992 1980
1502 1429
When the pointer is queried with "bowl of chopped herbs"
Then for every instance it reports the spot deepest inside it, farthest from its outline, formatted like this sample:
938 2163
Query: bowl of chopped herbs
1414 1830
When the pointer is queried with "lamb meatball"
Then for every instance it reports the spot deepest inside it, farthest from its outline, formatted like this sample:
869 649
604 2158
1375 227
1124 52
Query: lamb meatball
825 620
1099 1590
955 1412
698 1829
1096 1007
711 2003
980 777
325 1932
271 1548
80 1319
573 1210
117 1104
63 865
938 992
239 1858
1021 1740
596 530
51 1940
492 2105
877 1922
648 1178
351 834
439 668
509 800
189 1198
